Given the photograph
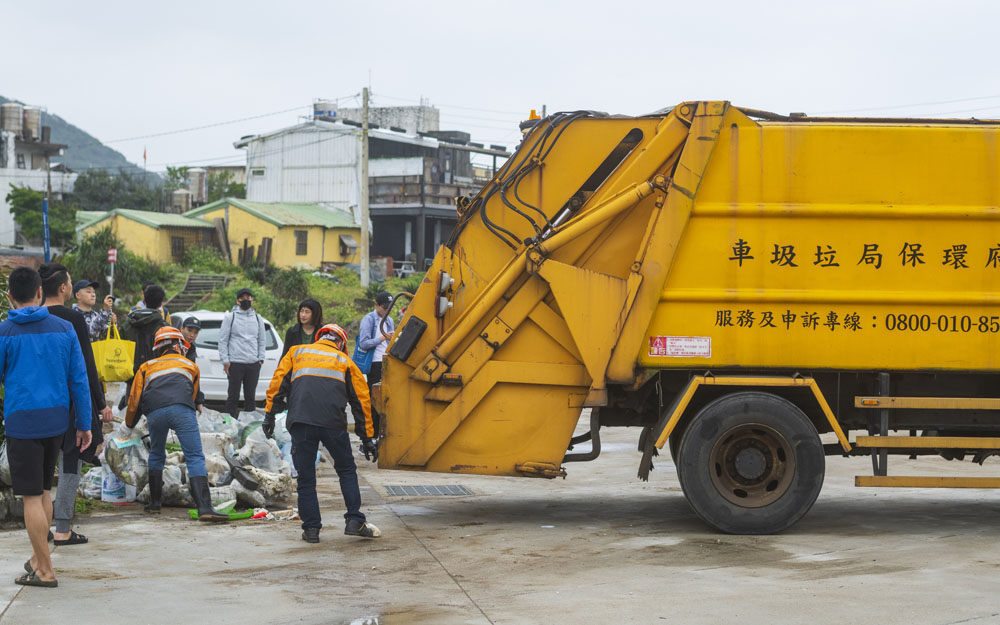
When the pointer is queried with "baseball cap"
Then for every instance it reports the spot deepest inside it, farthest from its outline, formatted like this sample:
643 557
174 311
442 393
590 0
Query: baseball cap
191 322
383 298
82 284
243 292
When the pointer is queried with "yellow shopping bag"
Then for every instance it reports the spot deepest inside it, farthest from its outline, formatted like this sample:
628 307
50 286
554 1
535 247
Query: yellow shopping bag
114 357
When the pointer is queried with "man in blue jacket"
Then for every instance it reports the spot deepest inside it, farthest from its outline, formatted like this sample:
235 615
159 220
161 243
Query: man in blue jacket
42 368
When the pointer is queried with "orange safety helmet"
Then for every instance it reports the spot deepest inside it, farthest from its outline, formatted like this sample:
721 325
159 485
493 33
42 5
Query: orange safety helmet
168 336
331 331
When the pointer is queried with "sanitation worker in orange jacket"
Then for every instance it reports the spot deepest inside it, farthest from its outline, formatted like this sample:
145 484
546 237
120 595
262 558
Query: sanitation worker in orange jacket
165 389
317 381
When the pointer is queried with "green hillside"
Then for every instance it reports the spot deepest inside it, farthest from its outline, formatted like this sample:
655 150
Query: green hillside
85 151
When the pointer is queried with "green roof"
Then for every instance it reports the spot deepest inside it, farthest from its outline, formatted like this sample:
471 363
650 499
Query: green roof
284 213
149 218
85 218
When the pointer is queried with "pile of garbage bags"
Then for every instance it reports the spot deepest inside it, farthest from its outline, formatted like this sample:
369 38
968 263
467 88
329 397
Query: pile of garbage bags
243 465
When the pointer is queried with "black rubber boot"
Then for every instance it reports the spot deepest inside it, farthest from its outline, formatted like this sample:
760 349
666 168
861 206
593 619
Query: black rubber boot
203 501
155 492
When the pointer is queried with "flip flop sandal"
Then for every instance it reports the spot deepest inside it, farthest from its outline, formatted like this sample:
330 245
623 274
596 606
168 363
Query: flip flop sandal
27 566
74 539
31 579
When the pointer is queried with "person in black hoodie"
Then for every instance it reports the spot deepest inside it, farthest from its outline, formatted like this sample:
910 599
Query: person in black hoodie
57 288
304 332
141 326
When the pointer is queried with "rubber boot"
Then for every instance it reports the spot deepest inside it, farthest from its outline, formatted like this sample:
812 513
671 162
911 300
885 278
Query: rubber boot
203 500
155 492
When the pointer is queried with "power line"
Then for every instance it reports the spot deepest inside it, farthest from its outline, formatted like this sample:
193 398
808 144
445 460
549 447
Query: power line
205 126
903 106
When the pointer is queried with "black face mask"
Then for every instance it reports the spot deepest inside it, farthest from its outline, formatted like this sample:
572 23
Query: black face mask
245 304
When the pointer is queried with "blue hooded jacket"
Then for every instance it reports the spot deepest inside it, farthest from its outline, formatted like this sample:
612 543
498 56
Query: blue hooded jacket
42 368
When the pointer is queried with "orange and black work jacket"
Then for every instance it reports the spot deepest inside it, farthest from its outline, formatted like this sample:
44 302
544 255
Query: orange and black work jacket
163 381
318 381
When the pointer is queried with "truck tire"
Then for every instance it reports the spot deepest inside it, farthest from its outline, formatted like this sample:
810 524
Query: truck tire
751 463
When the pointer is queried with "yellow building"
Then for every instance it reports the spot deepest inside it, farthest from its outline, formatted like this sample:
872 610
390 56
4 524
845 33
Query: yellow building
302 235
160 237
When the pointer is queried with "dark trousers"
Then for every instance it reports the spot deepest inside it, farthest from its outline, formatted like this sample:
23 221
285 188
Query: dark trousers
305 444
374 377
242 375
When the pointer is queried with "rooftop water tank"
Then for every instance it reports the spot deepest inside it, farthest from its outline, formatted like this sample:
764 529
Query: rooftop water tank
11 117
32 128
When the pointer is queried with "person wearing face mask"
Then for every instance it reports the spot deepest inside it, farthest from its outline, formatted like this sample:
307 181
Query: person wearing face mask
241 349
304 332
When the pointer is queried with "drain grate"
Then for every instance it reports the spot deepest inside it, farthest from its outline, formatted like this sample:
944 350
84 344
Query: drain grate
427 491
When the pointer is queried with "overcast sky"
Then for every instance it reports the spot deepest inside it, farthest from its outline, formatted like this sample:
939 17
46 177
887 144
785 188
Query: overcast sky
126 69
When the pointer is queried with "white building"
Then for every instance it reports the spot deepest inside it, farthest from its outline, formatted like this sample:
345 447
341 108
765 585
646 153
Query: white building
414 178
25 151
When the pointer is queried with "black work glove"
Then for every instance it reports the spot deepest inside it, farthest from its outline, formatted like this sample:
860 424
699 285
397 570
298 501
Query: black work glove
268 426
370 449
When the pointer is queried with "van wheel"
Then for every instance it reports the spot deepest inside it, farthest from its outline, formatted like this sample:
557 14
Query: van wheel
751 463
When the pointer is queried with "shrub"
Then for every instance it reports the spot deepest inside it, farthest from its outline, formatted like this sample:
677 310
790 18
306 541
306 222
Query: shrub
207 260
90 261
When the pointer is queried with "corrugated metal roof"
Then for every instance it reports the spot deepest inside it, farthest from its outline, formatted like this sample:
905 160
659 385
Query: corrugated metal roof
285 213
84 218
149 218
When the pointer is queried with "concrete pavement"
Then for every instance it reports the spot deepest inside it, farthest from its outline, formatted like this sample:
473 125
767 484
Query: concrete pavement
598 547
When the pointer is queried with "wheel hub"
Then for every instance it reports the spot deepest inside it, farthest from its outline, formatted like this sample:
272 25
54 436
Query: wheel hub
752 465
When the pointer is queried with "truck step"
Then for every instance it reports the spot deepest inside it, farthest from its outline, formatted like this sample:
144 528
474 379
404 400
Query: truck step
927 442
922 481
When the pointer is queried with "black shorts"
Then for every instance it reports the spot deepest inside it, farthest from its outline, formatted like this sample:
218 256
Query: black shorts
33 463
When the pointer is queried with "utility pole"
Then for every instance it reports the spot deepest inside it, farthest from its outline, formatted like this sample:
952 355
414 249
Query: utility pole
365 235
45 206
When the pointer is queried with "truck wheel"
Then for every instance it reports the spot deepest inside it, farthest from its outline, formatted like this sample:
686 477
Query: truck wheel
751 463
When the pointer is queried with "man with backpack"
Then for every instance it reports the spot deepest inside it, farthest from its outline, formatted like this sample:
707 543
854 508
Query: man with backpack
241 349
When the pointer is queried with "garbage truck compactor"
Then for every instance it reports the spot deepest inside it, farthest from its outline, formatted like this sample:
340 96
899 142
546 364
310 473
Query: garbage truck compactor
733 283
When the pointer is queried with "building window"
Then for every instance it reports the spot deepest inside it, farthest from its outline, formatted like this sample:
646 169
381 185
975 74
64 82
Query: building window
177 247
348 246
301 242
257 171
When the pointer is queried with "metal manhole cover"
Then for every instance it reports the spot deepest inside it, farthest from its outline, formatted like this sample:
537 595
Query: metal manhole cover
427 491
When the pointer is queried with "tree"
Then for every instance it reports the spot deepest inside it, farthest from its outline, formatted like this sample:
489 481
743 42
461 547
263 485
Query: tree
26 207
221 185
101 190
177 178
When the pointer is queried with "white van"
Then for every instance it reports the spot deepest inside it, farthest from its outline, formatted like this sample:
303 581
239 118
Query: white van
214 382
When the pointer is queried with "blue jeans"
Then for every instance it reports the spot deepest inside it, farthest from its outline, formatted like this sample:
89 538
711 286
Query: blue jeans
182 420
305 444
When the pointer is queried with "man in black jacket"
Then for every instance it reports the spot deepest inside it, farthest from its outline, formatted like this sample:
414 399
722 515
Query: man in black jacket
57 289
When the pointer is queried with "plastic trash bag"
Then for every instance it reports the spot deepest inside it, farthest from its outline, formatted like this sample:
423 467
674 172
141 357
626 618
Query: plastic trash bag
216 443
218 470
113 489
175 489
91 484
128 458
263 454
248 498
4 466
212 421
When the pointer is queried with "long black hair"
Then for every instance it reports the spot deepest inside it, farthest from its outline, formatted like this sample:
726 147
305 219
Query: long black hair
317 311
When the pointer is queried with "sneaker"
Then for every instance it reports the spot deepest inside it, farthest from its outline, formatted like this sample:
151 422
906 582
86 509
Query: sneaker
310 534
365 530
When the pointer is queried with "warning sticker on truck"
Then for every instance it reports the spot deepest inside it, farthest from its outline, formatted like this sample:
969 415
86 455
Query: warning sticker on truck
681 346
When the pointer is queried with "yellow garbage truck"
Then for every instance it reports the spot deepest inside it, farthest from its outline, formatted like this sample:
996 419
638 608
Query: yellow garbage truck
732 282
